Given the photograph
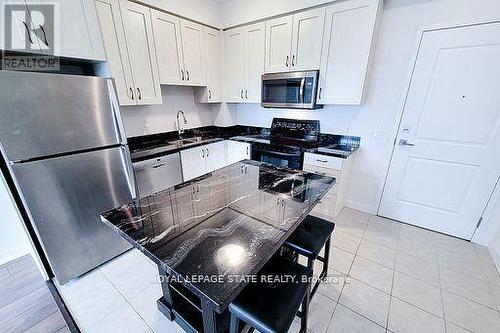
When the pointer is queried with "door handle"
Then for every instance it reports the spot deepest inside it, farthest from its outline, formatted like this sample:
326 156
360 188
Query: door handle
320 91
241 94
246 93
209 94
293 60
182 75
203 153
404 142
44 35
286 61
187 75
208 152
131 92
139 94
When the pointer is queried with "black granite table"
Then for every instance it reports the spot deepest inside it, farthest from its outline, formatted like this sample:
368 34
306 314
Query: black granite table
209 235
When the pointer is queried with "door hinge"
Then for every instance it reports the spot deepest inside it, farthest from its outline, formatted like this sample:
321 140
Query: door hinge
479 222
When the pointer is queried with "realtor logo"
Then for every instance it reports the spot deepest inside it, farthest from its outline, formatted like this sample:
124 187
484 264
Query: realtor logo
30 36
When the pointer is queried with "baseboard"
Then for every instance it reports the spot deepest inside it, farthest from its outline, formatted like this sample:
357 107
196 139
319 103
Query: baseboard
362 207
7 256
495 254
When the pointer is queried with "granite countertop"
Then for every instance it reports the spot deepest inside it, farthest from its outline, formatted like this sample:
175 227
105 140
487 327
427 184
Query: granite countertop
155 145
223 224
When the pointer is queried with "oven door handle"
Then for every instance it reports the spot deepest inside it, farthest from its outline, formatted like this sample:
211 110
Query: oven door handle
270 152
301 91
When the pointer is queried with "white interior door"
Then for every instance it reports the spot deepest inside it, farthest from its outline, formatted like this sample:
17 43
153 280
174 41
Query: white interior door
142 53
234 46
442 178
254 62
278 44
167 37
110 20
191 44
307 38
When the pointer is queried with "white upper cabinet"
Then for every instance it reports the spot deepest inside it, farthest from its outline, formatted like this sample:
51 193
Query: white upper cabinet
141 50
179 49
254 62
167 37
212 65
244 56
293 42
347 43
306 39
75 33
191 44
278 44
108 12
234 45
78 30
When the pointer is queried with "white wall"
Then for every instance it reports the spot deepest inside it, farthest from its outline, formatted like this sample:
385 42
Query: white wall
243 11
141 120
203 11
14 241
393 58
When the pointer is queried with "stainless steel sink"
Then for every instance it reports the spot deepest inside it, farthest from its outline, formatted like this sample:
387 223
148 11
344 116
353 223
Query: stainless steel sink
181 142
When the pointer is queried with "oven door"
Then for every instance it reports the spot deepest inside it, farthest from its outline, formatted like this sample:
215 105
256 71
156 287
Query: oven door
289 160
290 90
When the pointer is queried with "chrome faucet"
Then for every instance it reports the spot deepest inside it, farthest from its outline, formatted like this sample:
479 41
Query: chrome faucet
180 130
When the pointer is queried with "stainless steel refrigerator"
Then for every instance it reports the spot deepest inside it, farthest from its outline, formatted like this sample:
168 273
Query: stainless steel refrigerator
64 144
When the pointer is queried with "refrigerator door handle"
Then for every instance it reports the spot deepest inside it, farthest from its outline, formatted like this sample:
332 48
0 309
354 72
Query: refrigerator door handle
127 164
116 111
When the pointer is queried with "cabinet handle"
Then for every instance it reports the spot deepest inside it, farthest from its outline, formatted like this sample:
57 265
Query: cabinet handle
131 92
198 188
322 161
293 60
208 152
139 94
320 91
182 75
28 32
44 35
241 93
247 150
209 94
246 93
286 62
187 75
203 153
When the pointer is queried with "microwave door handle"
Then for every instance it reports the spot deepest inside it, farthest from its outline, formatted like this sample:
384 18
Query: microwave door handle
301 92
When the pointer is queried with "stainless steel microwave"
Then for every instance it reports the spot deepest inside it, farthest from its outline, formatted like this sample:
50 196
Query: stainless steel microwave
293 90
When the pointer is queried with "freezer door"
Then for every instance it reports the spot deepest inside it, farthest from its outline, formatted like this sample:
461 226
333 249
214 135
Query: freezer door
45 114
65 196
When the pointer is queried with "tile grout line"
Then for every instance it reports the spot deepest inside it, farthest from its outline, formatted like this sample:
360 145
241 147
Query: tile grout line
126 300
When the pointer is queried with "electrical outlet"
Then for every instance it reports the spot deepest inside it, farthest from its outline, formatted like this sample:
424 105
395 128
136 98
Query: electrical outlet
378 133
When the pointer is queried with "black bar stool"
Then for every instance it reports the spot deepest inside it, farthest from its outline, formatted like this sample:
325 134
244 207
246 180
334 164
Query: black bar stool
308 239
270 307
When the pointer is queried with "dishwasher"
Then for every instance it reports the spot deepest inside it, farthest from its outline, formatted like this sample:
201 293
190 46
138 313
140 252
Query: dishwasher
156 174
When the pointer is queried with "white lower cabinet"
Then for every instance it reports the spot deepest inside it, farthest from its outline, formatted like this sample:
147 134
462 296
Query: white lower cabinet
333 202
237 151
203 159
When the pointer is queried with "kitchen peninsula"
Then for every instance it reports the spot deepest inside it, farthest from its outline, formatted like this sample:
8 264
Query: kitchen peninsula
227 223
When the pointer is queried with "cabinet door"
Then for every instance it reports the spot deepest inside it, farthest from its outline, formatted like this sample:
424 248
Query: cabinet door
141 50
234 46
191 45
238 151
254 62
307 38
216 156
110 20
167 37
212 64
278 44
77 34
347 42
193 163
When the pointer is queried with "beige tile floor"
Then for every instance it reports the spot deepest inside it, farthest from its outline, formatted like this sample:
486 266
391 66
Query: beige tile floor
386 277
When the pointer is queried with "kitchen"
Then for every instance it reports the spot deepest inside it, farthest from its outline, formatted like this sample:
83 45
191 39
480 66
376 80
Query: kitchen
329 99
